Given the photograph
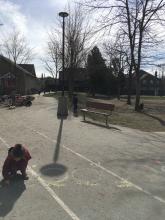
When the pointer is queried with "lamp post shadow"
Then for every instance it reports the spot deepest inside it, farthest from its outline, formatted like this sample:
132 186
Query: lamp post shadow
55 169
57 149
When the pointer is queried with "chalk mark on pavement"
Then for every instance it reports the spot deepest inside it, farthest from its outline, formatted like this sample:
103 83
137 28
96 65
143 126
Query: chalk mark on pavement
98 165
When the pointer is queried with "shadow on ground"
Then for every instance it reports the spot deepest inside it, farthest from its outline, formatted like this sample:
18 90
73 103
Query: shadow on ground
100 125
9 194
162 122
57 149
53 170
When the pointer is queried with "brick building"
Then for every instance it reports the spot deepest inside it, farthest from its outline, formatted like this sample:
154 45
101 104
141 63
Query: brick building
20 79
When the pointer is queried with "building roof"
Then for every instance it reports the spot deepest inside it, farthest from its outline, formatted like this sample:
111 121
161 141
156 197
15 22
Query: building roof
17 66
144 74
29 67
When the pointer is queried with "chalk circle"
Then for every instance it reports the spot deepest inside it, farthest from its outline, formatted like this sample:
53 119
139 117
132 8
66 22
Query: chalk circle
86 176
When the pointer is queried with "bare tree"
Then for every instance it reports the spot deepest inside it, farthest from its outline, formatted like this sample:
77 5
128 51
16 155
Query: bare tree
16 48
78 34
137 19
52 61
117 49
118 56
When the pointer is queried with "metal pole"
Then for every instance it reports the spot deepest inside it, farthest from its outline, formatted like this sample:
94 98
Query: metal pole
155 83
63 55
62 111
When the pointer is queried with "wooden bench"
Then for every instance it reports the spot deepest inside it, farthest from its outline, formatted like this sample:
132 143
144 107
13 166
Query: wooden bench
93 107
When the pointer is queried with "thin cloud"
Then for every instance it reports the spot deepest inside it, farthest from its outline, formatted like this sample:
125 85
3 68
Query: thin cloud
11 16
59 3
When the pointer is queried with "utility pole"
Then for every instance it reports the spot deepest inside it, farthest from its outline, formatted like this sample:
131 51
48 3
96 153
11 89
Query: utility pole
62 111
155 83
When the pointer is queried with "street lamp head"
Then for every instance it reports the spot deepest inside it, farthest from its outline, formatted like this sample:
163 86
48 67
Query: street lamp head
63 14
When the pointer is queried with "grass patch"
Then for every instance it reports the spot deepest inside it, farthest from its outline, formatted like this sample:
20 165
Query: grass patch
144 97
153 97
151 119
82 98
52 94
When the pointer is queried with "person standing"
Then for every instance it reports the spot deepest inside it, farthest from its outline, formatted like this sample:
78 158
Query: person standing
75 104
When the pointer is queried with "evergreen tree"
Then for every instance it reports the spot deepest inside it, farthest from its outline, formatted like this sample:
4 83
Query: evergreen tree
97 71
121 82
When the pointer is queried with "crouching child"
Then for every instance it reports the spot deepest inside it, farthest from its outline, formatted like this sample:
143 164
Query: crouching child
17 160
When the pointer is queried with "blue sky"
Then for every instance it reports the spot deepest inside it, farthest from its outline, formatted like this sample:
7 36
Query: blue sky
33 18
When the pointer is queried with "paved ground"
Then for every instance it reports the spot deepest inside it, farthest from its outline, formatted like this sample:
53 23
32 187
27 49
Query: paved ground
101 174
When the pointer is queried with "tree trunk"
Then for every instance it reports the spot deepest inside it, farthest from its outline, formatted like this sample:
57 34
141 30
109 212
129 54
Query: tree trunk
119 91
137 102
137 68
129 86
56 80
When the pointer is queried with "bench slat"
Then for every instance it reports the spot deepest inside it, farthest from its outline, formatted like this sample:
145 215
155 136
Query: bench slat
99 105
95 112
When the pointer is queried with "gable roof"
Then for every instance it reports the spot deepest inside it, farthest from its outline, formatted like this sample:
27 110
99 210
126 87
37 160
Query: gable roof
144 74
29 67
17 66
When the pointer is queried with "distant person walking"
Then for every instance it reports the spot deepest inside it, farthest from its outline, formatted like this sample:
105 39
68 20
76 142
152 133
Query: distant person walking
75 104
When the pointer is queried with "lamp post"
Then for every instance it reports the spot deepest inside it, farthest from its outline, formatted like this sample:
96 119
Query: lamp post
63 15
62 111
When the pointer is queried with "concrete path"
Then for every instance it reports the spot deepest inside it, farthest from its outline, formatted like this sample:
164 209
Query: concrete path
101 174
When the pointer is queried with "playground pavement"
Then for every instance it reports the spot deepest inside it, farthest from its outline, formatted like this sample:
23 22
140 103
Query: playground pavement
81 171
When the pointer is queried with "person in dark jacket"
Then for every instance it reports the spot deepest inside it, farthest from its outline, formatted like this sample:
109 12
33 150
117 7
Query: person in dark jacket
75 104
17 159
